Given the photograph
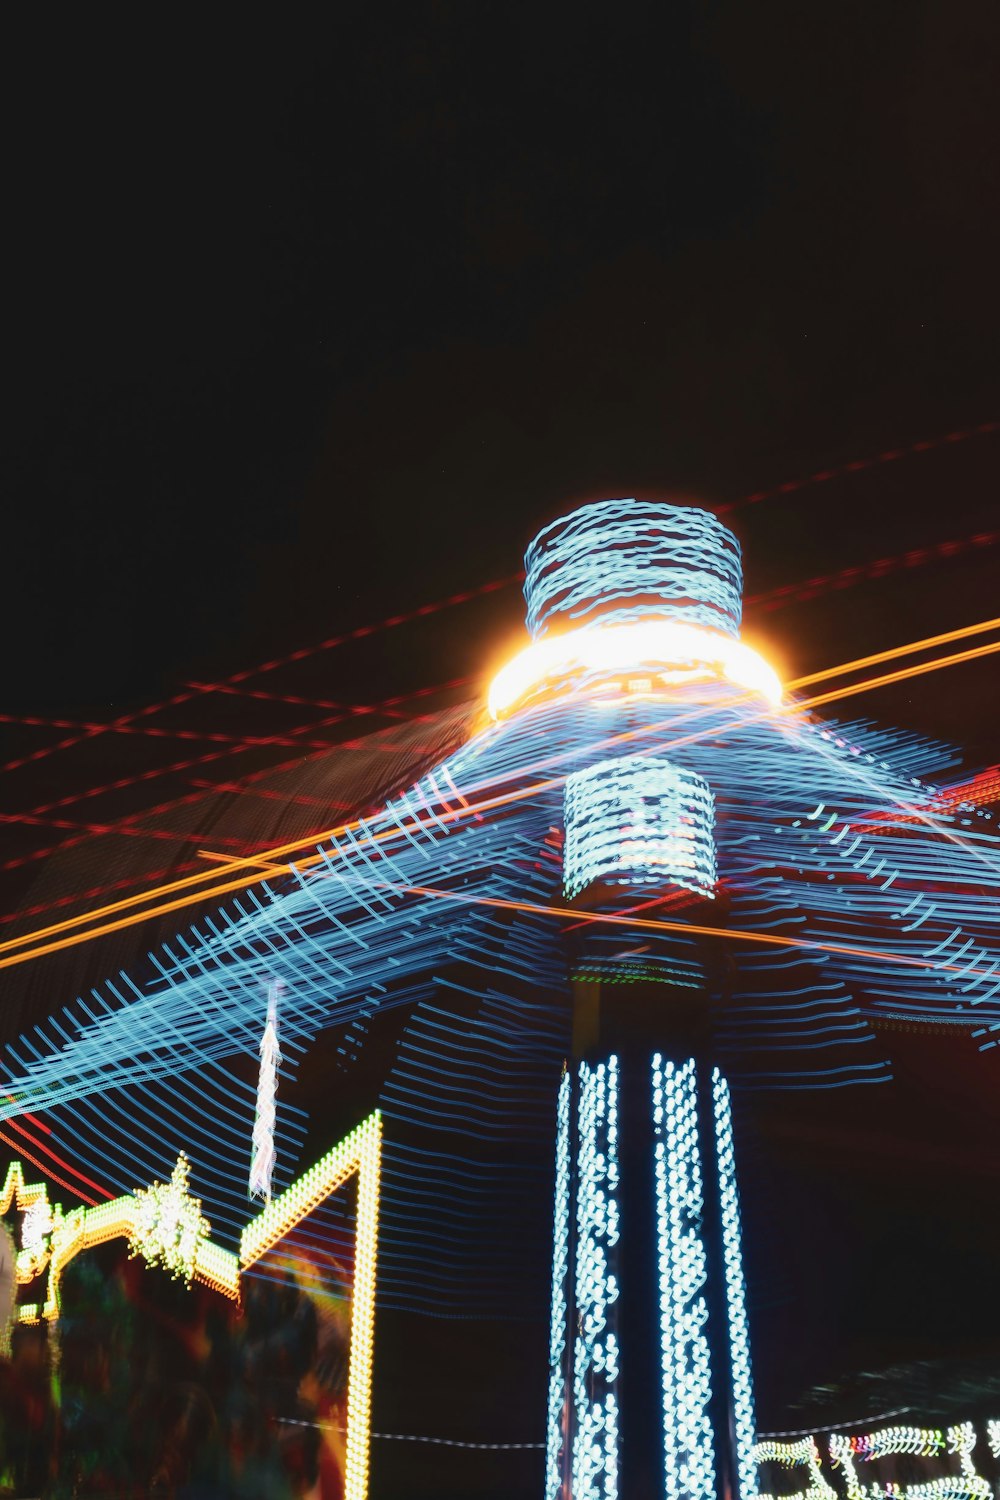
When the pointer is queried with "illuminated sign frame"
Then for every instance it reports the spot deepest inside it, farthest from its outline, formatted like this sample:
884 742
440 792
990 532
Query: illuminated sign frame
136 1217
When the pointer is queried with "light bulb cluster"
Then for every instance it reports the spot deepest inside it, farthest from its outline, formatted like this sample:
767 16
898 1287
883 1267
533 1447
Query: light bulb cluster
554 1439
638 821
993 1437
168 1226
688 1438
918 1442
732 1250
803 1453
31 1199
595 1351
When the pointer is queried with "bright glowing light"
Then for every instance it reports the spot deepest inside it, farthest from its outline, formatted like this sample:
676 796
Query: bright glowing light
622 559
685 1366
358 1152
639 821
262 1162
655 653
169 1227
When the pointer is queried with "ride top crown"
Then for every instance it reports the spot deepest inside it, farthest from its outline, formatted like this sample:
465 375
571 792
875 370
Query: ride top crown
631 596
631 559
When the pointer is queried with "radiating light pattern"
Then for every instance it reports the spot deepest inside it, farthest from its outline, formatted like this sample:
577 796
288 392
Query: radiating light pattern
348 942
439 918
685 1364
639 821
622 559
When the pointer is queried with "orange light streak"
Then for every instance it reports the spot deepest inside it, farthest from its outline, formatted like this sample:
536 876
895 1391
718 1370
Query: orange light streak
649 924
944 639
902 675
213 892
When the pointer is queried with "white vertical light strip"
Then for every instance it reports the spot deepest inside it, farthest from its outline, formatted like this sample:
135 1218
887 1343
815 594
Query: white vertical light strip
993 1437
688 1439
262 1161
595 1353
555 1439
739 1333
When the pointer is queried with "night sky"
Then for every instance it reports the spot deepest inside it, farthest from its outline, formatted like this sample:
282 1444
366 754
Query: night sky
303 330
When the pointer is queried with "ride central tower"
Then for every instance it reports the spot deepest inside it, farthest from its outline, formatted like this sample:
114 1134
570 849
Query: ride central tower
649 1373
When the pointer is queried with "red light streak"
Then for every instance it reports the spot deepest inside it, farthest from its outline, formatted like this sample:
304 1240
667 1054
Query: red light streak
98 890
489 804
279 740
21 1152
847 577
842 471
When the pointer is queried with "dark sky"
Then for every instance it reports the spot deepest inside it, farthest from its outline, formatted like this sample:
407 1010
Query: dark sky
303 326
302 330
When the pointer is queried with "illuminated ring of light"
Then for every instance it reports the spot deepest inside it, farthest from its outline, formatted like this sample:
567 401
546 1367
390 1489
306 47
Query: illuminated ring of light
641 647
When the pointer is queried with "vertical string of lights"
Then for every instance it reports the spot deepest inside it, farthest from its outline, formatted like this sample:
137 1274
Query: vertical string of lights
649 1379
682 1266
559 1329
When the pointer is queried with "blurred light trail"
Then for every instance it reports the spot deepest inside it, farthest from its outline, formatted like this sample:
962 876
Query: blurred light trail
289 738
902 675
794 593
925 644
650 924
213 892
193 691
857 465
189 694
